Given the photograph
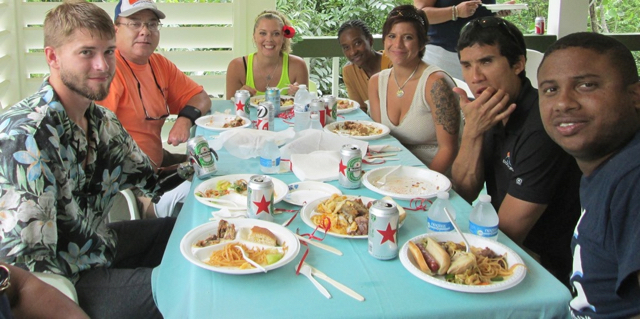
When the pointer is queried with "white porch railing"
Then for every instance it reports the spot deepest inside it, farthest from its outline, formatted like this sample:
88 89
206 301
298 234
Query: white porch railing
222 29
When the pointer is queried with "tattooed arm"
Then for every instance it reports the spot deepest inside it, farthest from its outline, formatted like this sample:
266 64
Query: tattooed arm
445 109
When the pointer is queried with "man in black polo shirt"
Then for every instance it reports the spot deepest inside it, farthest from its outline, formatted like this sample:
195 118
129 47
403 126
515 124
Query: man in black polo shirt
533 183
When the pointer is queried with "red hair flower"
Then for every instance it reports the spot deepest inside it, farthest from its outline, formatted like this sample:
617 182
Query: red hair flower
288 31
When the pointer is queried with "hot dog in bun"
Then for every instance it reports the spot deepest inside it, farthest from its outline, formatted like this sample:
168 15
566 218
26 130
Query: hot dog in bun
432 259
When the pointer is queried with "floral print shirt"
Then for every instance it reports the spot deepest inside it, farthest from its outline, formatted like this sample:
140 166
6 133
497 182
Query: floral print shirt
53 213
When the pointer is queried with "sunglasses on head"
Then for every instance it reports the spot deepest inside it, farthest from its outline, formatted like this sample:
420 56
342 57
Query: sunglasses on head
490 22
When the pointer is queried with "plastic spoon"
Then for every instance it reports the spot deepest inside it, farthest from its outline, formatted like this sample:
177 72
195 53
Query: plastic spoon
255 264
466 243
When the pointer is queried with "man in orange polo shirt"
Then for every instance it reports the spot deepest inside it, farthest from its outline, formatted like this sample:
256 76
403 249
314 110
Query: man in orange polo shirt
146 88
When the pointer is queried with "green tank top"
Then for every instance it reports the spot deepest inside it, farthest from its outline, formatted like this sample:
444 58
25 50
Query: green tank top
284 77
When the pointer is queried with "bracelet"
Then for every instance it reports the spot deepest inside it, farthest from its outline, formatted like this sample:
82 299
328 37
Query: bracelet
190 112
454 13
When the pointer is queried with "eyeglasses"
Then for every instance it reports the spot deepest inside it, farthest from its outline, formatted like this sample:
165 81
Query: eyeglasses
147 117
490 22
153 26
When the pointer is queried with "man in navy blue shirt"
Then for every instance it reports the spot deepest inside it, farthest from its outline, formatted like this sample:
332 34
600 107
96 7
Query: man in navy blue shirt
590 105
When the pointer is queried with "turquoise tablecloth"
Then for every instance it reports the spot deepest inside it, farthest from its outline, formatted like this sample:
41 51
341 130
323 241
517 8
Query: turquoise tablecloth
183 290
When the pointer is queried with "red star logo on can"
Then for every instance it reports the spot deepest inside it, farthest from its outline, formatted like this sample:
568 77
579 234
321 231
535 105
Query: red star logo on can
387 234
239 106
263 206
342 168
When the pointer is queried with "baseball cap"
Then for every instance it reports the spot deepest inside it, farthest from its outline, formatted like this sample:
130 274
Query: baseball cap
126 8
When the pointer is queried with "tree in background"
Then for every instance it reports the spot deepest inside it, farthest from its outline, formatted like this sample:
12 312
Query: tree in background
324 17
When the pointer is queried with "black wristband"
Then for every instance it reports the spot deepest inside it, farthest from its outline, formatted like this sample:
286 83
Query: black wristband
191 113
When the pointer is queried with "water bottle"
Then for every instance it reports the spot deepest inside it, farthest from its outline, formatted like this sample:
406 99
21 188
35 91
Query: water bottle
302 98
315 107
315 122
270 158
483 220
301 108
437 218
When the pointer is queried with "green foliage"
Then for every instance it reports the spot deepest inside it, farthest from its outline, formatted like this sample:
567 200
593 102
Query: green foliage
324 17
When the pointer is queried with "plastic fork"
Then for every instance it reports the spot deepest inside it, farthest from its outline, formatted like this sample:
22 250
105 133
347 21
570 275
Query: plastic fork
446 211
249 260
383 180
305 270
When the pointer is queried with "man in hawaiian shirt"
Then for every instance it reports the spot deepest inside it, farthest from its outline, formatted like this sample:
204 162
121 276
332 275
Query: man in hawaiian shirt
62 160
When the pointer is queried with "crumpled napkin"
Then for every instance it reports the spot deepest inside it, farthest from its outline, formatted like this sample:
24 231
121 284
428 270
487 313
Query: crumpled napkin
383 148
309 141
246 142
319 166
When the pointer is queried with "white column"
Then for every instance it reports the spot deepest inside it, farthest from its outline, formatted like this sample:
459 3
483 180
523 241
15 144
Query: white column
567 16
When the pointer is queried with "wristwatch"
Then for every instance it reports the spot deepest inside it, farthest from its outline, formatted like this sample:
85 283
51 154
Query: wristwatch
191 113
5 275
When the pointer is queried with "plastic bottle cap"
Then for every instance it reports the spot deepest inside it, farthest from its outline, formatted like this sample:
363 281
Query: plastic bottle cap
485 198
302 87
443 195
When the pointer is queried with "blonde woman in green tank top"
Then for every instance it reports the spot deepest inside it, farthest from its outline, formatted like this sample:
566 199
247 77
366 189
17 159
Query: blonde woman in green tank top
271 65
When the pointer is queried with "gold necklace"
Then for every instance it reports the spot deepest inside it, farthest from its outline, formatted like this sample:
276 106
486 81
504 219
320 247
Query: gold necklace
400 92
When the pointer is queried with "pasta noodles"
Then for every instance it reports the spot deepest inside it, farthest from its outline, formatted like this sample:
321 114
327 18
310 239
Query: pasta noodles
230 256
488 267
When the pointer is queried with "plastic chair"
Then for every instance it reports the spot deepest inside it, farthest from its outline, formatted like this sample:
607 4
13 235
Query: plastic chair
531 67
59 282
125 207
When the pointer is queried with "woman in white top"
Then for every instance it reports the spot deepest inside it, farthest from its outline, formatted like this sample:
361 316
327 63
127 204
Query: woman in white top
415 100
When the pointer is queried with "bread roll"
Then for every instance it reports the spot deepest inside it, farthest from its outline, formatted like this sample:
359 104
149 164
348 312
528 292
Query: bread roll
263 236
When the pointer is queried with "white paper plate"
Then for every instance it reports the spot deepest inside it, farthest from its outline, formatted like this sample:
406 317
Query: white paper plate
310 210
512 258
506 7
337 125
254 101
308 191
216 122
240 200
198 256
407 182
354 106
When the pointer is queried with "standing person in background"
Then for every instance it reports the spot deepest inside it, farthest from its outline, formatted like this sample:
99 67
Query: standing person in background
422 112
63 159
357 45
146 89
271 65
446 19
533 183
590 105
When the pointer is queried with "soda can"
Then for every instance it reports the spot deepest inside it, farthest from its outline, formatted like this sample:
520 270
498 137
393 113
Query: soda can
317 107
260 195
242 99
350 169
273 96
331 106
265 116
383 230
202 157
539 25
